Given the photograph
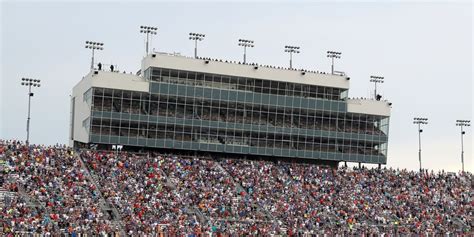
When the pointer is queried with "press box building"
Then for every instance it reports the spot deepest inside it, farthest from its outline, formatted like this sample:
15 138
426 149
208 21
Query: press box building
216 107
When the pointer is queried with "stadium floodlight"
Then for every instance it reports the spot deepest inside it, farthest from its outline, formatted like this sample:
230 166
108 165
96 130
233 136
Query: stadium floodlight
246 43
29 83
420 121
148 30
94 46
333 55
462 124
375 80
292 50
196 37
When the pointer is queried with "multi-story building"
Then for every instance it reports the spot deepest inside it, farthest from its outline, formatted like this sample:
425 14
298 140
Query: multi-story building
213 106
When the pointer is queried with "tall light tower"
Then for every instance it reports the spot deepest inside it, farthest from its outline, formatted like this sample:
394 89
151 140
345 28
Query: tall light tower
462 123
420 121
29 83
94 46
196 37
246 43
333 55
148 30
292 50
375 80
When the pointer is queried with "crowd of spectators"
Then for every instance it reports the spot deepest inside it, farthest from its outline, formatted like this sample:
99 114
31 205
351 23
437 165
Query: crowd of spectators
59 192
369 200
54 193
142 193
172 194
209 188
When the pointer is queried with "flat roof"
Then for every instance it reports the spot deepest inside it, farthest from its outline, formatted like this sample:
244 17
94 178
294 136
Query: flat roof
178 62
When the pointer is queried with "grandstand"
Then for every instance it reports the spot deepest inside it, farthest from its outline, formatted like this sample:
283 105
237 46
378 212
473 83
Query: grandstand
211 147
198 146
204 106
56 190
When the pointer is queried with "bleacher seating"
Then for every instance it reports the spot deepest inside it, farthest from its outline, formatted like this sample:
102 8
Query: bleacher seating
55 190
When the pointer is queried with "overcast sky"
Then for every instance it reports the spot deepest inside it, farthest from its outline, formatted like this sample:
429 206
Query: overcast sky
424 51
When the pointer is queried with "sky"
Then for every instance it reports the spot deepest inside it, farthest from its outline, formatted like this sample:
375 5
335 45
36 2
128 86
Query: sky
423 49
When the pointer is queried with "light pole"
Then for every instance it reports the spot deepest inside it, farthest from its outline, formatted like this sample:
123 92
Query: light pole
333 55
462 123
196 37
420 121
29 83
246 43
291 50
375 80
148 30
94 46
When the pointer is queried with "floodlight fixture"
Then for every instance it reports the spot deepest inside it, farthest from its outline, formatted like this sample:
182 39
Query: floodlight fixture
375 80
245 43
462 124
291 50
29 82
196 37
419 121
333 55
92 45
148 31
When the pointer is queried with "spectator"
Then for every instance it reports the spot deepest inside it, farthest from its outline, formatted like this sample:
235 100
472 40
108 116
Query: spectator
53 192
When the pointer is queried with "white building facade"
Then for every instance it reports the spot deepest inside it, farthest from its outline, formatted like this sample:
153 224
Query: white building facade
208 106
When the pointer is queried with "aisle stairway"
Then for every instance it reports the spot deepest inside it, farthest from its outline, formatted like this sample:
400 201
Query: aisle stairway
3 196
267 214
190 209
107 208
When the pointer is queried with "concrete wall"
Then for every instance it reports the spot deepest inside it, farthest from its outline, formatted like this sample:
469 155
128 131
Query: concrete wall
102 79
373 107
116 80
81 110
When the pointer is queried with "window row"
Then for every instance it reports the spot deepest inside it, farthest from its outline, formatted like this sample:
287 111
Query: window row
244 113
246 84
232 137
